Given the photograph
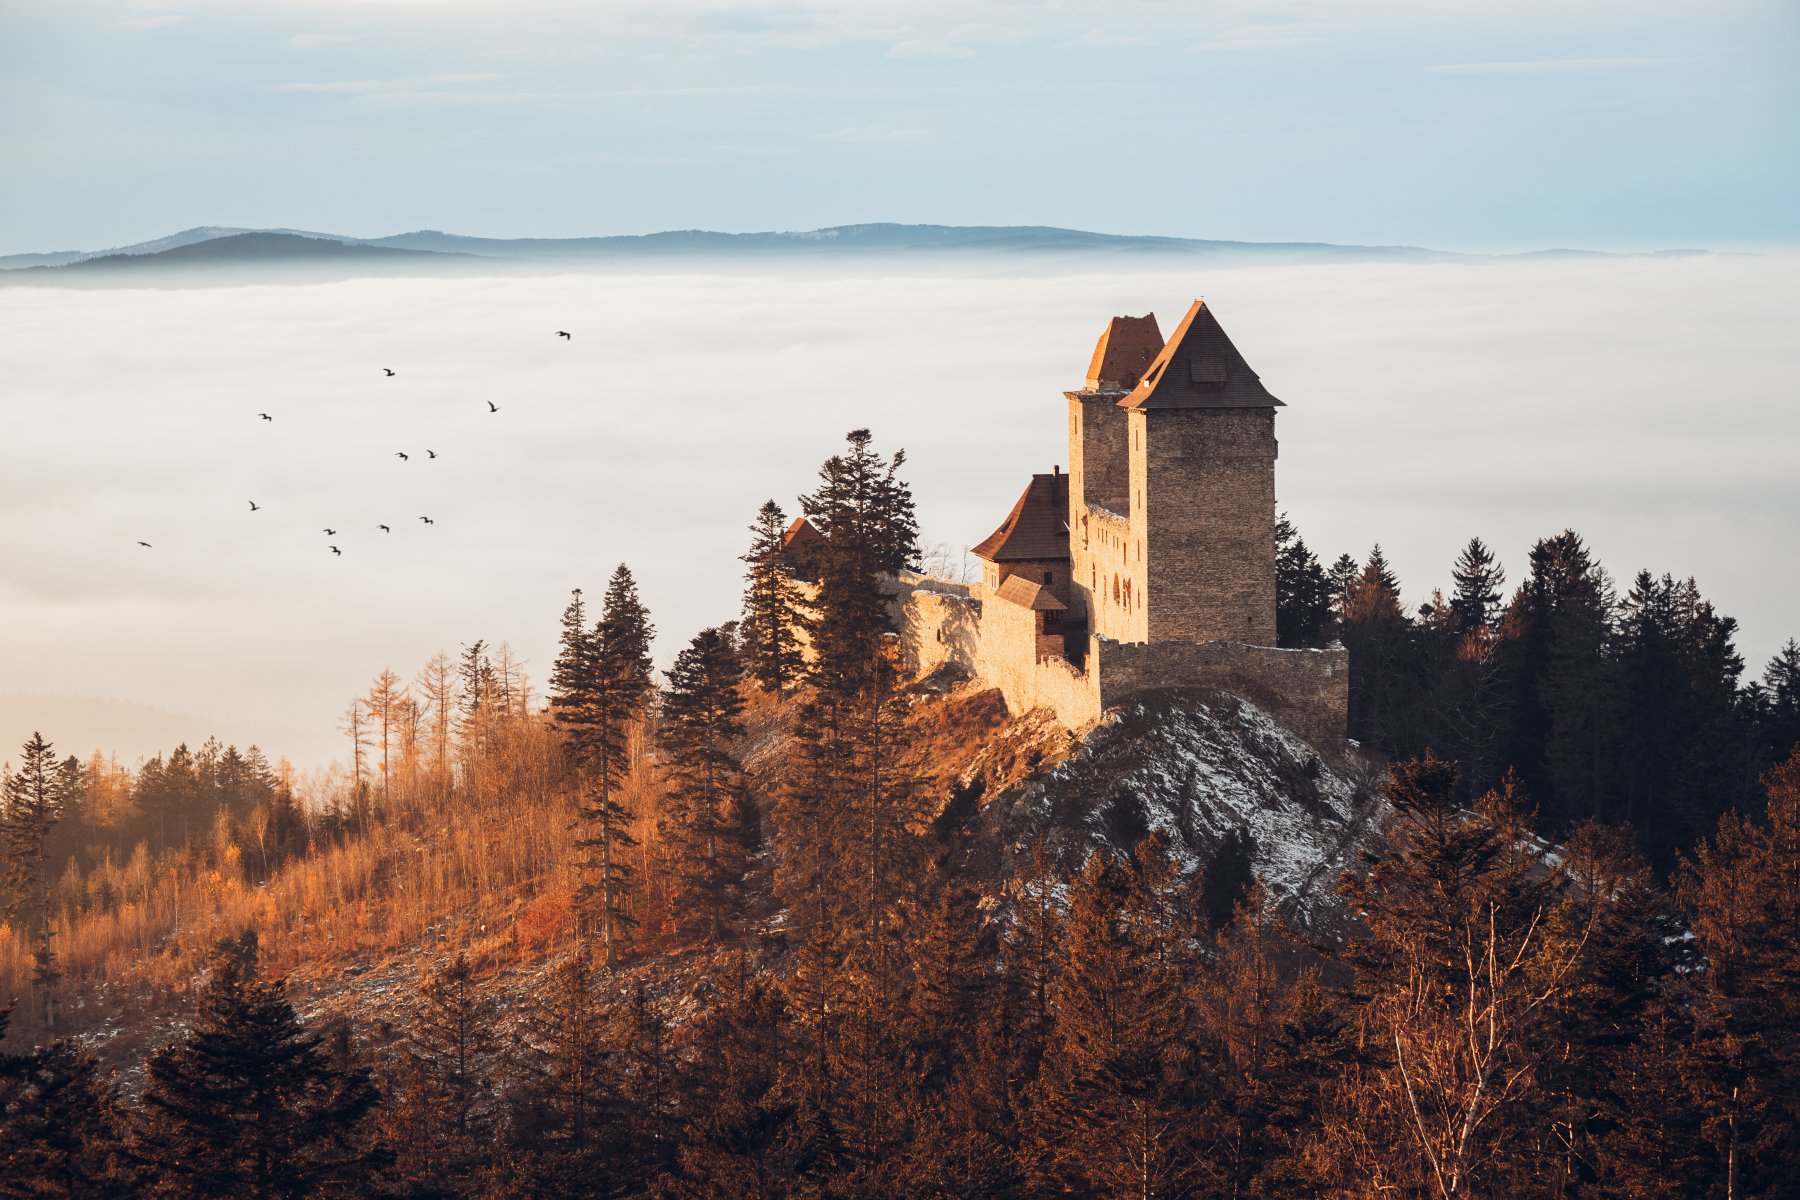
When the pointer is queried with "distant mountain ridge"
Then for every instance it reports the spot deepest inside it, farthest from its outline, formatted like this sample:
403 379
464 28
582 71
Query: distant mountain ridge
214 245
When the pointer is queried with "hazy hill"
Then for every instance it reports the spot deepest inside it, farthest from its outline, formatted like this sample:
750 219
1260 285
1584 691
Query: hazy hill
1004 247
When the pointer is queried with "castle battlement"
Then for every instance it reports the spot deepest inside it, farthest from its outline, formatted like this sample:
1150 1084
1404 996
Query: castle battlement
1151 564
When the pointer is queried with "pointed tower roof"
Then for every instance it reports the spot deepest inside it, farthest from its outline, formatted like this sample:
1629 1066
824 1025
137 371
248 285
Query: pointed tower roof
1125 350
1037 527
1199 368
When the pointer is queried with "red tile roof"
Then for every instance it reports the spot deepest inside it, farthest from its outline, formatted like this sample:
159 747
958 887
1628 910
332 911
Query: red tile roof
1123 352
1037 527
1199 368
1026 594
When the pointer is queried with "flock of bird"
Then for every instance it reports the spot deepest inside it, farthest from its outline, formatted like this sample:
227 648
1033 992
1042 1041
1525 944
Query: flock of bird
389 373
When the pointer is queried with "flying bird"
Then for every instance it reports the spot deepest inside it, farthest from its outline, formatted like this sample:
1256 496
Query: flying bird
331 533
563 333
265 416
428 520
335 550
492 407
145 545
255 507
431 454
389 370
401 455
384 529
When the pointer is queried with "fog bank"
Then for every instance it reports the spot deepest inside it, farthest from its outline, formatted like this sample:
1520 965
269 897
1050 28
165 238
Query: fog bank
1648 403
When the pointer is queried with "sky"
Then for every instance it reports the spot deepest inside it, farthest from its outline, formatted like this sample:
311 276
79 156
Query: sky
1645 402
1477 124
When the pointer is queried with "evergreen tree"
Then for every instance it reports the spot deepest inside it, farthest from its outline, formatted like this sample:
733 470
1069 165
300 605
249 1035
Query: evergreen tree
1741 1062
773 606
1342 574
1303 592
1553 678
1780 717
1114 1109
32 801
59 1126
1478 580
248 1104
599 688
863 511
449 1101
707 819
1378 637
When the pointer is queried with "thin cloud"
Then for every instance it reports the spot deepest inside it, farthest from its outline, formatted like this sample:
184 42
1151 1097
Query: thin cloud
929 47
874 133
317 41
1104 37
1547 66
371 87
1263 37
154 21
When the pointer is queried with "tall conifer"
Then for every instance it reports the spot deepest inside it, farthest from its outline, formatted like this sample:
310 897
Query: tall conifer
773 606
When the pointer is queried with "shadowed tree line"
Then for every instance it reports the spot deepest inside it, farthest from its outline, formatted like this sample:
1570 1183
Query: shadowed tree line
1618 707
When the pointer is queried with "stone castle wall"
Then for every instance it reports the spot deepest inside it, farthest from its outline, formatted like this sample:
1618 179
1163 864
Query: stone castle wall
1306 690
1205 481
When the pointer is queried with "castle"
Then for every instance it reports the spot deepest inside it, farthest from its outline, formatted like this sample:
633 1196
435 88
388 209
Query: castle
1151 564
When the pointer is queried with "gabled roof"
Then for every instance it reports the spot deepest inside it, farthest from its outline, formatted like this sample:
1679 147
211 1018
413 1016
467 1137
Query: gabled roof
1037 527
1124 351
1026 594
1199 368
800 535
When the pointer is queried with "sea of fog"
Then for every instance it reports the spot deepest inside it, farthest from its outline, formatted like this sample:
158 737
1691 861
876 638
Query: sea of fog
1651 404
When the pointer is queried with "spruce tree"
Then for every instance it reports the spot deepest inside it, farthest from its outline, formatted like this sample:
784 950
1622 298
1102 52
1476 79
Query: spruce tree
599 688
1478 580
1780 717
1113 1110
1741 1063
248 1104
59 1126
450 1098
773 606
33 800
707 818
1302 590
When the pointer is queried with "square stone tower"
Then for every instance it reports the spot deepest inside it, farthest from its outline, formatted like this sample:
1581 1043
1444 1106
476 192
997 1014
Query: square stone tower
1172 487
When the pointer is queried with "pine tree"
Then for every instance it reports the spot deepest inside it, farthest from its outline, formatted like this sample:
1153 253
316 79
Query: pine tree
248 1104
33 800
773 606
707 818
1303 592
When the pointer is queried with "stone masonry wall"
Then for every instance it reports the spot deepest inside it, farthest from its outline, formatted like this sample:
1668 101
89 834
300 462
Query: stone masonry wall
1108 566
1206 479
938 628
1306 690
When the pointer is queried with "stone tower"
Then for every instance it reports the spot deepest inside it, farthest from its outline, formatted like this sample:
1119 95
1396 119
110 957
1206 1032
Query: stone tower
1172 487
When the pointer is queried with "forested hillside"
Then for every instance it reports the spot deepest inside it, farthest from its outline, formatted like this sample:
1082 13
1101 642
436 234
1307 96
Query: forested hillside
760 928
